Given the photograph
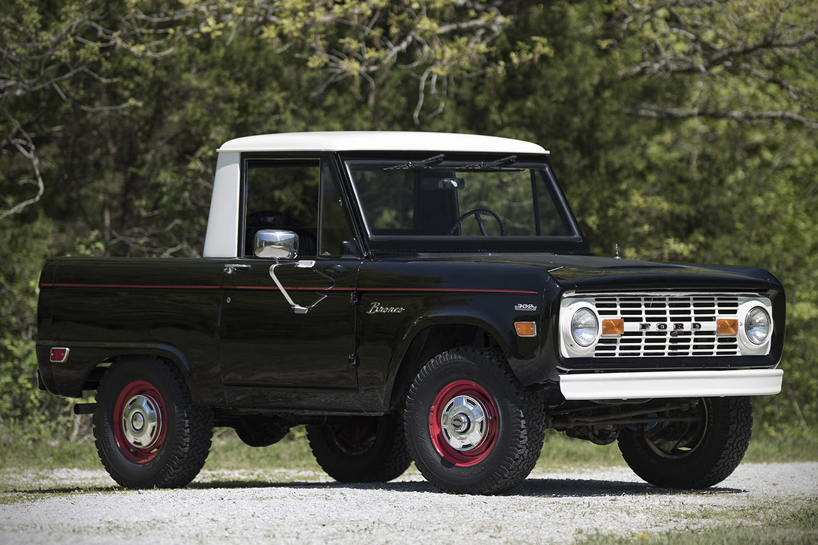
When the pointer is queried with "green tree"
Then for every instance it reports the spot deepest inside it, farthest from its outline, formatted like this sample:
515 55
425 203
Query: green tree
682 130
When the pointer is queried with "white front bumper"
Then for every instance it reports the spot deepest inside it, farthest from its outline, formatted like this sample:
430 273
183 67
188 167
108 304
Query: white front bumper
662 384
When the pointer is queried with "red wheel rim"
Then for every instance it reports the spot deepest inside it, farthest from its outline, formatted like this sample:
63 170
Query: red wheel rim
463 423
140 421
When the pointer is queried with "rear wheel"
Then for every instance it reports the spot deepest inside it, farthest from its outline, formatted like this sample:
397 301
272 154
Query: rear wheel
470 426
699 450
148 432
360 449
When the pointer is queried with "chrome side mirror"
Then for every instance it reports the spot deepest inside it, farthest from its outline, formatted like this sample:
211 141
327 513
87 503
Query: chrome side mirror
275 244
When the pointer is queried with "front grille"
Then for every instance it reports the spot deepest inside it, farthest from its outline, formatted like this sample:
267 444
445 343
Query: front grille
666 324
669 310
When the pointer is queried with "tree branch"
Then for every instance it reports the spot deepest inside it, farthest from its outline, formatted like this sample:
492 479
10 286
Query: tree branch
683 113
26 147
766 44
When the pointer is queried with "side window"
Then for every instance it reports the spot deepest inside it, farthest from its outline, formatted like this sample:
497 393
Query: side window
282 195
336 235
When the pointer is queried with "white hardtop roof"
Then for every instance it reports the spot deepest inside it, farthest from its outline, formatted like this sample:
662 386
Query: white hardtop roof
379 141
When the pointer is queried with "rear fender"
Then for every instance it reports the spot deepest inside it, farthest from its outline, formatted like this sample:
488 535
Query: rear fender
86 363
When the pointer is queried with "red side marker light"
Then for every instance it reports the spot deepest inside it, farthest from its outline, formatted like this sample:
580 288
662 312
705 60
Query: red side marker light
59 355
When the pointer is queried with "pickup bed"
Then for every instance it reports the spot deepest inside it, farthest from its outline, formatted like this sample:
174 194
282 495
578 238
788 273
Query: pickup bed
419 297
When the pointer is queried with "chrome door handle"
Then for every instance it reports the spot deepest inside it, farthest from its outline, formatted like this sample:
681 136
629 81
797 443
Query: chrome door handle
230 268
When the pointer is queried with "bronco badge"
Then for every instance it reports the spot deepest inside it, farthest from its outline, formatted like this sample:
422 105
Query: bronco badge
376 308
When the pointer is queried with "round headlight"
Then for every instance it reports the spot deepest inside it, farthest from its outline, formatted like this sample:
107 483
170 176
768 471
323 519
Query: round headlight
757 325
584 327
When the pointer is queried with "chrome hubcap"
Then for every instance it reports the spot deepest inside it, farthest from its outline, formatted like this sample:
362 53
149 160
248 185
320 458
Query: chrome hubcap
463 422
140 421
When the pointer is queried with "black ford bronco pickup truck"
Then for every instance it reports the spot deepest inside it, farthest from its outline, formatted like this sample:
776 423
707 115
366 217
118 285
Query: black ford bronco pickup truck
408 297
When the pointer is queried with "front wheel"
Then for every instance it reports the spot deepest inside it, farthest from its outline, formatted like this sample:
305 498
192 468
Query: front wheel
148 432
697 448
470 426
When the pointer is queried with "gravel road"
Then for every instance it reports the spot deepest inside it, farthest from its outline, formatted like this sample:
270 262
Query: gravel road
225 507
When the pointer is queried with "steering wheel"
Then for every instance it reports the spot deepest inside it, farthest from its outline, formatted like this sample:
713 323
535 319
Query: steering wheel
476 213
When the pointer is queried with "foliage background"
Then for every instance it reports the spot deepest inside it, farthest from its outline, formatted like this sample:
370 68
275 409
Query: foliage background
682 130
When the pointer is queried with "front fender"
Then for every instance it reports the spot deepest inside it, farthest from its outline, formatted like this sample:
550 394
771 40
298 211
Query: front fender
396 338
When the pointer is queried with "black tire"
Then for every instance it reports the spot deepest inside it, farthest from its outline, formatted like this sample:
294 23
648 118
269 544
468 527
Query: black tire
696 454
361 449
167 454
452 447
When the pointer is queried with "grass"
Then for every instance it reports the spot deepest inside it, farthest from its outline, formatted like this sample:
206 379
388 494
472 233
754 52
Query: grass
35 454
766 449
562 452
228 452
798 527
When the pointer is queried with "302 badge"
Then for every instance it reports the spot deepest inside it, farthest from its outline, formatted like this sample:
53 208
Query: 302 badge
525 307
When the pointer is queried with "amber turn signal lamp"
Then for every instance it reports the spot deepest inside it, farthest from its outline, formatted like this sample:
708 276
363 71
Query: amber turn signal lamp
727 326
613 327
526 329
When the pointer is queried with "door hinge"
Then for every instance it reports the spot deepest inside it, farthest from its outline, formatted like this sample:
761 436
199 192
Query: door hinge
354 298
353 360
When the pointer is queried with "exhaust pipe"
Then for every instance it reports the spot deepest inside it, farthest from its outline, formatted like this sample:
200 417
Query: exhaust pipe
85 408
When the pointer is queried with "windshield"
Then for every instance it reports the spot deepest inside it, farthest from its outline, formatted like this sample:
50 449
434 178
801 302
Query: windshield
493 199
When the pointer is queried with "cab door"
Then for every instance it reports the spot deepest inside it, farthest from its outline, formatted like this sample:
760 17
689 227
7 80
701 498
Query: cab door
300 335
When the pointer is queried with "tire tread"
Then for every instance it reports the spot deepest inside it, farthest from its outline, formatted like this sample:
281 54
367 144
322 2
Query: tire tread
389 461
528 424
729 436
194 430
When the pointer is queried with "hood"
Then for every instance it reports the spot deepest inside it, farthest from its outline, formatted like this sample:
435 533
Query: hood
591 272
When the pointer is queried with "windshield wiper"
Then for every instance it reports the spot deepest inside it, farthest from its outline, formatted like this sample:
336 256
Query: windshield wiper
499 163
420 165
